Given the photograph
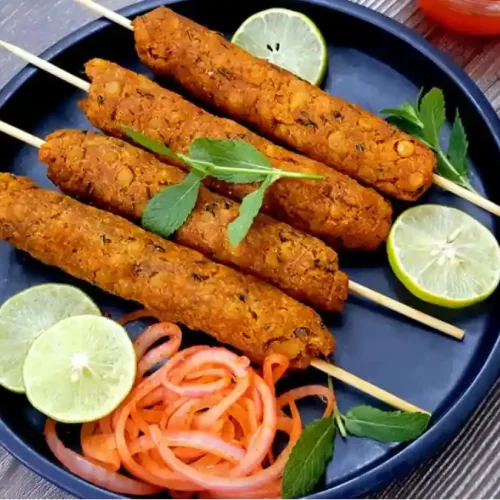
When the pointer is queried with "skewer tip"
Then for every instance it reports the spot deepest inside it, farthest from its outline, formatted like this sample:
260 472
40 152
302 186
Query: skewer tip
470 196
107 13
409 312
9 46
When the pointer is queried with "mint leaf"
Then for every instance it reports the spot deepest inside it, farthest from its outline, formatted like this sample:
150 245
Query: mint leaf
150 144
457 147
406 119
406 112
249 208
168 210
239 156
432 115
407 126
309 458
385 426
453 165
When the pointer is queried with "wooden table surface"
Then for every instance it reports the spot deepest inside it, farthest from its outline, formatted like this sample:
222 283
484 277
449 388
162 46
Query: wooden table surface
469 467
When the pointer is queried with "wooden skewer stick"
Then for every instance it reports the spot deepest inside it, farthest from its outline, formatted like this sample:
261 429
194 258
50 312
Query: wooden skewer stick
440 181
474 198
355 288
364 386
405 310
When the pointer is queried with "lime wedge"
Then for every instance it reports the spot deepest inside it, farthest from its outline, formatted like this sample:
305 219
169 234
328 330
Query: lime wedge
288 39
80 369
27 314
444 256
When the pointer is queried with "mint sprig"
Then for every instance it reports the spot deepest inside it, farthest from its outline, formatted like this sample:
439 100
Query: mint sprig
230 161
315 447
424 120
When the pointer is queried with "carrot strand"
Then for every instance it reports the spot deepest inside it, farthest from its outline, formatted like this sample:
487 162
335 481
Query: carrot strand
202 424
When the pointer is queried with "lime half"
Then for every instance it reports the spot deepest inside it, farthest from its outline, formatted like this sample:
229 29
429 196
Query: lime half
27 314
80 369
444 256
288 39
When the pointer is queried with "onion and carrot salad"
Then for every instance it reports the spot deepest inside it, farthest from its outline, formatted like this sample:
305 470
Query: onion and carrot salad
202 424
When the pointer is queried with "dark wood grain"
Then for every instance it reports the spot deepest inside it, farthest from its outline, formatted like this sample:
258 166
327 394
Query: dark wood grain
469 467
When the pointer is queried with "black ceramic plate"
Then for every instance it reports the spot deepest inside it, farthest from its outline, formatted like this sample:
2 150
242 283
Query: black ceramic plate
376 63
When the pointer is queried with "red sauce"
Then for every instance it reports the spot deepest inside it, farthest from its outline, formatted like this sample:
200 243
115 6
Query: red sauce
476 17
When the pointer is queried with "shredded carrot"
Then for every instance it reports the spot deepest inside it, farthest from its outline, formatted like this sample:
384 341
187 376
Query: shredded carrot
272 375
198 422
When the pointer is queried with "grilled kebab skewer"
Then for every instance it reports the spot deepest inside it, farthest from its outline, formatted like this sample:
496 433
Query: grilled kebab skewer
121 178
282 106
177 283
337 210
341 142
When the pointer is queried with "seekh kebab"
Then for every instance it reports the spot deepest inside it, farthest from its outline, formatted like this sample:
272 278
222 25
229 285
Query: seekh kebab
282 106
177 283
121 178
338 209
70 168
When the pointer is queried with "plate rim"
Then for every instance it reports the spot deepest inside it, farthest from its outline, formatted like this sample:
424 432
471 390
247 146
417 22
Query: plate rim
450 421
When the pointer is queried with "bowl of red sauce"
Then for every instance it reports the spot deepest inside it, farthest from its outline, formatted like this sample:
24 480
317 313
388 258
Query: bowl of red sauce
474 17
